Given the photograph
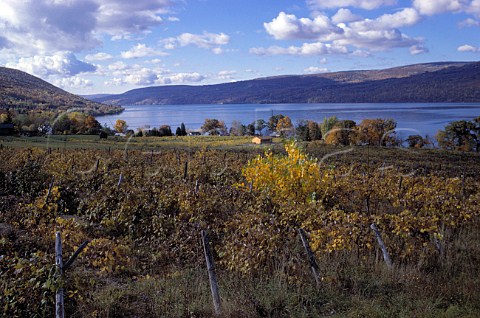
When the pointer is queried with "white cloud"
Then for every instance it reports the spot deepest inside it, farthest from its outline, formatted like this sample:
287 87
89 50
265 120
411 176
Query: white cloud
418 49
101 56
315 70
288 26
61 63
47 26
307 49
209 41
141 50
226 75
345 16
124 74
363 4
405 17
141 77
468 48
469 23
73 82
378 34
429 7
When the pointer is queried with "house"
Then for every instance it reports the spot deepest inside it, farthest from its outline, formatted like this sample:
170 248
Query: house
195 132
260 140
6 129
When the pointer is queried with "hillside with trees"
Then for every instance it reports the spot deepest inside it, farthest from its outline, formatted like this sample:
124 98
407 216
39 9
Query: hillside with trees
22 91
420 83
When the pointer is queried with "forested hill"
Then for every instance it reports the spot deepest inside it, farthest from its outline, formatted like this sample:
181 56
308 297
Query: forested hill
20 90
431 82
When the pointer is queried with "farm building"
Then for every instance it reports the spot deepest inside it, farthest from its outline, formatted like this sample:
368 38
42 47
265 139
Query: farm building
260 140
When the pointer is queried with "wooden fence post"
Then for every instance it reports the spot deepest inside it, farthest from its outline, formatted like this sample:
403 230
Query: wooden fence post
49 189
60 271
120 179
386 256
185 171
59 304
211 272
311 257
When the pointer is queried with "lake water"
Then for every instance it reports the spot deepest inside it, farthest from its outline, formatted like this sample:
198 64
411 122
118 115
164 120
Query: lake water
417 118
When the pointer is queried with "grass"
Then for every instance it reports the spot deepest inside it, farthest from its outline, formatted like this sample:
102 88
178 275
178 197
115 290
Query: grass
352 285
117 142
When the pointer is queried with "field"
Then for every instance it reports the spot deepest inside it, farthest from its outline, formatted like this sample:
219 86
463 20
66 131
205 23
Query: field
142 204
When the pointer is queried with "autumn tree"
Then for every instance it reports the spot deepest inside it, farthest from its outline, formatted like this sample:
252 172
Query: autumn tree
92 125
380 132
214 127
342 133
285 126
273 121
237 129
120 126
415 141
308 130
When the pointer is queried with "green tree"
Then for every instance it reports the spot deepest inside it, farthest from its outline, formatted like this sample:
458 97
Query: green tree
328 123
273 121
260 125
459 135
183 130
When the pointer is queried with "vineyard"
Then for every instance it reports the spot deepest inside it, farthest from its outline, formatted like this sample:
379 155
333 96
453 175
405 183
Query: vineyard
142 211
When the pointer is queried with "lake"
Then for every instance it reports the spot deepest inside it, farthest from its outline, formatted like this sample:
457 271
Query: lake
416 118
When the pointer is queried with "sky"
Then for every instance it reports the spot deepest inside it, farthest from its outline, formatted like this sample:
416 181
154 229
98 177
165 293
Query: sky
112 46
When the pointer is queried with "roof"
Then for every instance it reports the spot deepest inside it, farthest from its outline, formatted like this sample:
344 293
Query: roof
7 126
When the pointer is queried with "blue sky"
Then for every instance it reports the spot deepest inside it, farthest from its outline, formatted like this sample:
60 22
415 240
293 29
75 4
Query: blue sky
111 46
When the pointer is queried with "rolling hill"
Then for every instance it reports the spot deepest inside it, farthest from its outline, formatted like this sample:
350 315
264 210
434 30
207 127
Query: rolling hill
430 82
24 91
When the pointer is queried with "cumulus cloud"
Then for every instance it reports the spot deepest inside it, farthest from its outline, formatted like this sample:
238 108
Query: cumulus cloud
307 49
468 48
73 82
363 4
315 70
345 16
226 75
61 63
288 26
405 17
428 7
141 50
209 41
101 56
358 35
123 74
469 23
46 26
418 49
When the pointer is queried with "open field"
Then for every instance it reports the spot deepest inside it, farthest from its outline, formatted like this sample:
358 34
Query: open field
143 203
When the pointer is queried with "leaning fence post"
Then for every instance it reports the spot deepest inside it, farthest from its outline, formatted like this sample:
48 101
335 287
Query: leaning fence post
211 272
386 256
59 306
311 257
49 189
